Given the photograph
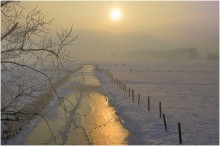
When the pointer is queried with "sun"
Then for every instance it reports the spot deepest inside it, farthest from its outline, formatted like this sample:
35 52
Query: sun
115 14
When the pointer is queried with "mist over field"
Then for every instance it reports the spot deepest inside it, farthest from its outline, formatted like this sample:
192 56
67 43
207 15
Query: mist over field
143 26
109 72
107 46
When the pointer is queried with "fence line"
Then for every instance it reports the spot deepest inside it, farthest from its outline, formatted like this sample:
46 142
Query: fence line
124 87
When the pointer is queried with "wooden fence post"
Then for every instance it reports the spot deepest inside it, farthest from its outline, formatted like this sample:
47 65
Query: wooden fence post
165 123
148 103
129 92
132 94
139 96
160 109
180 134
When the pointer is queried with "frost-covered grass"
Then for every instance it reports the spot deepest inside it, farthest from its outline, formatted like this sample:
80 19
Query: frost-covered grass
23 85
26 91
49 112
189 92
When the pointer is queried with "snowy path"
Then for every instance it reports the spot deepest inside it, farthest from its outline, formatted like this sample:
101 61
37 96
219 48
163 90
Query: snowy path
90 120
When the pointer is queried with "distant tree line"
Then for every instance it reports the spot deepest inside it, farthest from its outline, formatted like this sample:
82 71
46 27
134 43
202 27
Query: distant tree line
184 54
175 54
212 56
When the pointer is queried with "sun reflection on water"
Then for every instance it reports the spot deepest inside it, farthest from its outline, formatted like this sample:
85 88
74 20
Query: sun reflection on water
103 124
90 119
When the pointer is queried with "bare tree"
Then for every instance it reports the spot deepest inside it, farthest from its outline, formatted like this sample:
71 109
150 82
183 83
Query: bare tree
30 60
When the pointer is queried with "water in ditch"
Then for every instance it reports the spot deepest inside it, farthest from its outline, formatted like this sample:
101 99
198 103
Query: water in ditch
88 118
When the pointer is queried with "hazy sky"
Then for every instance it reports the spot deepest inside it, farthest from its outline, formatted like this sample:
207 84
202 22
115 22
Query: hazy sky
142 26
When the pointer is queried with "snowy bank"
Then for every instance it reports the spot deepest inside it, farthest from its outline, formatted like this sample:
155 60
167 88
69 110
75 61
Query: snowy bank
29 107
188 92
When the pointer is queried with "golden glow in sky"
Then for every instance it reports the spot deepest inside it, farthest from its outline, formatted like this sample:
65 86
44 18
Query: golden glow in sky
115 14
166 25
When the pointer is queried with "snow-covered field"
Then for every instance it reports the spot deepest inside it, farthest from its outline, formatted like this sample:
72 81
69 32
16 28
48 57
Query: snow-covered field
189 92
